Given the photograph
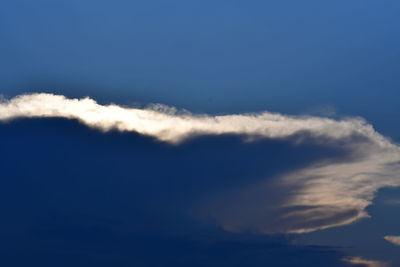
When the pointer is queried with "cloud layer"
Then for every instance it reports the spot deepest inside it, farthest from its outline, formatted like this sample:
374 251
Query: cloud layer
325 194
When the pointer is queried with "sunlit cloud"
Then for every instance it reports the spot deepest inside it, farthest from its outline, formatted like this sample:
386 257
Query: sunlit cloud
368 263
171 126
393 239
325 194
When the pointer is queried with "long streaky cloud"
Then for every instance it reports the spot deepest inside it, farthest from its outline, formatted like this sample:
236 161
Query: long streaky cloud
173 126
322 195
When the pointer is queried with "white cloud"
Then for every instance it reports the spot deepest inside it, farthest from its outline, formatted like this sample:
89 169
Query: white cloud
325 194
170 126
393 239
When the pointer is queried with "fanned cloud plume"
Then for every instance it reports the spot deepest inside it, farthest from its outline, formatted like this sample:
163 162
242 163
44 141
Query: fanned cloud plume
327 193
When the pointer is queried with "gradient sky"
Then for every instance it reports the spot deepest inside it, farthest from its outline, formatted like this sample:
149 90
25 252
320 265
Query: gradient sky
209 56
324 58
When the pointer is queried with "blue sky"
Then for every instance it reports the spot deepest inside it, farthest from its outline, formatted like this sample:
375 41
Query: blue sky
209 56
323 58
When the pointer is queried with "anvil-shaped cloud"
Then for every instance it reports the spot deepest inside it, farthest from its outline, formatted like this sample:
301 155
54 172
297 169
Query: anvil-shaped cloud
328 193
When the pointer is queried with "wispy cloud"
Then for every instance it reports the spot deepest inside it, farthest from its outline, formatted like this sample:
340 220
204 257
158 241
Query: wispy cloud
322 195
393 239
368 263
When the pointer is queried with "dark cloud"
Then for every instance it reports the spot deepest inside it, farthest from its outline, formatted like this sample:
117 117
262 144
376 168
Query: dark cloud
71 196
271 177
173 177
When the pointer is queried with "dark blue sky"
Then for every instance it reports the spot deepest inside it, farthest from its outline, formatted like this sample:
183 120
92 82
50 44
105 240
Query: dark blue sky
330 58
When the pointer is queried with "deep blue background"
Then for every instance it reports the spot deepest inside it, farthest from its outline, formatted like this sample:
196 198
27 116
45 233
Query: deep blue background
72 196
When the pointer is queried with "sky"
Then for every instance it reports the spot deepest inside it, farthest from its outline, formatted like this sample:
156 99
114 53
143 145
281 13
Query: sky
199 133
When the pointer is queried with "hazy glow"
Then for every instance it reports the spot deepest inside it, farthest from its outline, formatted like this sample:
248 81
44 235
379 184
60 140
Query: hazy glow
326 194
367 263
393 239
